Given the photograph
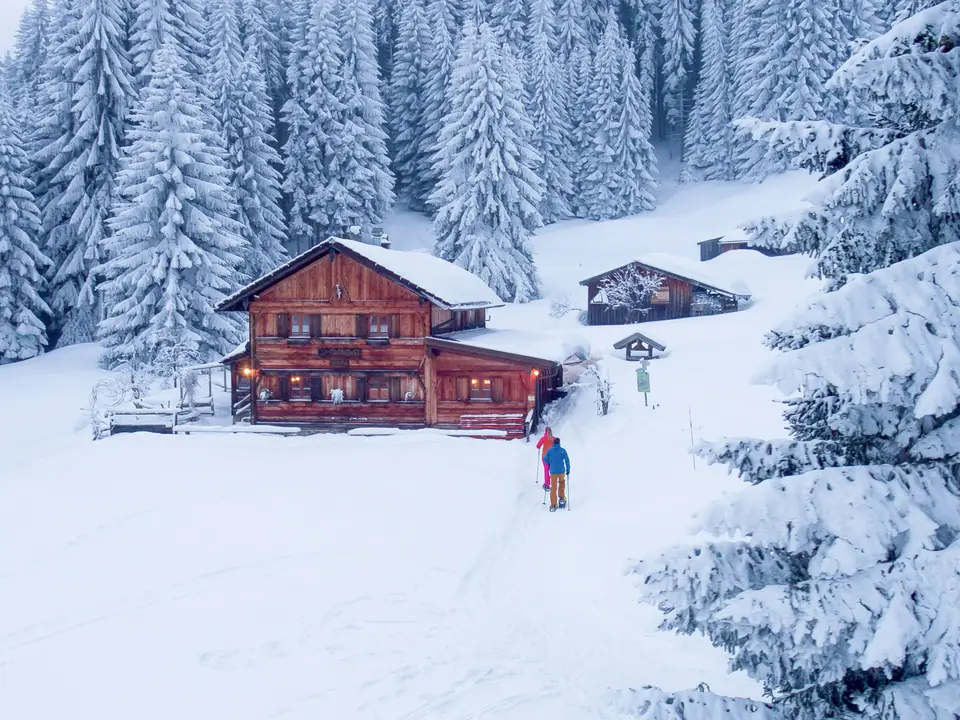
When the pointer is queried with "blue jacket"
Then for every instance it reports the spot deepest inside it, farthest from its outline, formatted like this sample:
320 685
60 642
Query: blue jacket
557 459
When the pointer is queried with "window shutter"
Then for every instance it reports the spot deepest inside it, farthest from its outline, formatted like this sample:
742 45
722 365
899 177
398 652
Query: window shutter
394 326
463 389
283 325
315 326
363 324
283 383
394 389
361 389
497 390
316 386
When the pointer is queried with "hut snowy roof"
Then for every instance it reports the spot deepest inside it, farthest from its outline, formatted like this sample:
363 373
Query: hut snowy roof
517 345
682 269
442 283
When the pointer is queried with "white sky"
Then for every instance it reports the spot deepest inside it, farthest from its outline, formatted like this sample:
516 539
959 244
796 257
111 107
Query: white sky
10 12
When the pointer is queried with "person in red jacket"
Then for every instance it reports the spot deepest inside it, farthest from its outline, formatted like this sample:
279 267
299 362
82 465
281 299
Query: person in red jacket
544 444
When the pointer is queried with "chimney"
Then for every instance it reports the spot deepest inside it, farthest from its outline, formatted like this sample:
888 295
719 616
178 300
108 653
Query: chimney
353 232
380 237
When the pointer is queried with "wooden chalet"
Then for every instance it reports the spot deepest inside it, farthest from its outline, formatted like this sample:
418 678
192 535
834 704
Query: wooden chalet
350 335
686 291
709 249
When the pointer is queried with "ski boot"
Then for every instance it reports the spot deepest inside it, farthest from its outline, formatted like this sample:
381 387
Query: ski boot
553 508
546 487
563 503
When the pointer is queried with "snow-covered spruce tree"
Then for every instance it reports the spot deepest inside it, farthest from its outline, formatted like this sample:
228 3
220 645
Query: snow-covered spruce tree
53 170
708 147
443 53
888 185
618 159
489 192
30 54
546 106
792 70
242 109
678 34
157 21
407 97
834 577
22 311
508 18
579 78
571 27
261 28
361 181
176 249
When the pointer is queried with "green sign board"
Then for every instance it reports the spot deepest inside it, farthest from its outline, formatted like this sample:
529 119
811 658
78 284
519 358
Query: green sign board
643 381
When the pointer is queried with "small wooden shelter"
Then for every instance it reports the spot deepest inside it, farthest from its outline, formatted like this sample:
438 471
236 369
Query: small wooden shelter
637 345
687 290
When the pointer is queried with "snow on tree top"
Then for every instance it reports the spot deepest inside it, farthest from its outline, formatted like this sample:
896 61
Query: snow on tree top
439 281
683 269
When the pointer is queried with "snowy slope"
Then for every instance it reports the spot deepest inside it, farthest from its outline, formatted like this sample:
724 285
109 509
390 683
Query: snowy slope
380 577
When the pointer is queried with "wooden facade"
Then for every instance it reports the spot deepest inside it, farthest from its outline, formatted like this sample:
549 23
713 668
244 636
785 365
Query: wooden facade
338 343
678 297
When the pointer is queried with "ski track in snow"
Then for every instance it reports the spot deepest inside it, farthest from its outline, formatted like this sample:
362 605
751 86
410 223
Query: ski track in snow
394 578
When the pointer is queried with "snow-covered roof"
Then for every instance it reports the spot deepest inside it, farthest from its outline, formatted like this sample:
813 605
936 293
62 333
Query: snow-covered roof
683 269
238 352
551 348
443 283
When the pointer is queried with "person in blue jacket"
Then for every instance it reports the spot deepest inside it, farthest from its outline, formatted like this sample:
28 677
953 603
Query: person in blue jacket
559 463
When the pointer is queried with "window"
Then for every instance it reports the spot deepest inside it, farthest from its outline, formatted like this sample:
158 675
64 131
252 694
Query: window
379 326
378 389
481 389
660 297
243 379
299 326
299 387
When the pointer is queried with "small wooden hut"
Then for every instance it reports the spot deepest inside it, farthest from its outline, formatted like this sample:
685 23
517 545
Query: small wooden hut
637 345
686 291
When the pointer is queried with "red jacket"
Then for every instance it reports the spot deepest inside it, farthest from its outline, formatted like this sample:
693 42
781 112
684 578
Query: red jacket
545 443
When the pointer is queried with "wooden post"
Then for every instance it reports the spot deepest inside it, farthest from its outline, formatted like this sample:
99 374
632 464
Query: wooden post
432 388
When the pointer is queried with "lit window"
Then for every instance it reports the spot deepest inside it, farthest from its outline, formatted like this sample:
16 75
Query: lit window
300 325
378 389
299 387
481 389
379 326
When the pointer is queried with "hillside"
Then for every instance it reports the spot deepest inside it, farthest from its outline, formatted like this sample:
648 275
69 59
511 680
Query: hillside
395 577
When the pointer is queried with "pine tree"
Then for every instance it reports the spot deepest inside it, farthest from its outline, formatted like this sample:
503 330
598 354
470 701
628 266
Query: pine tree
408 100
243 113
618 166
59 184
571 27
547 111
30 54
22 330
833 576
261 26
176 248
362 189
579 80
709 141
792 70
508 18
156 22
444 32
489 191
678 35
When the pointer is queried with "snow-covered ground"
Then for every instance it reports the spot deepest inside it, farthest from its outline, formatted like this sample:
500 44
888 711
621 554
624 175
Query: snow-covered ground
398 577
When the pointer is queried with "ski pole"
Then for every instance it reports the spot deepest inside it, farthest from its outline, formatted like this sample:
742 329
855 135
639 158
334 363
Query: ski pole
567 493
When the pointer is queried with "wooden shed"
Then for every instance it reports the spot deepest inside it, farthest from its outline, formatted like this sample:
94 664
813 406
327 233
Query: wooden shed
343 336
709 249
686 291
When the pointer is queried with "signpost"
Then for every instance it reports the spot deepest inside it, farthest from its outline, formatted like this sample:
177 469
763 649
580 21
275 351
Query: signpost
643 383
